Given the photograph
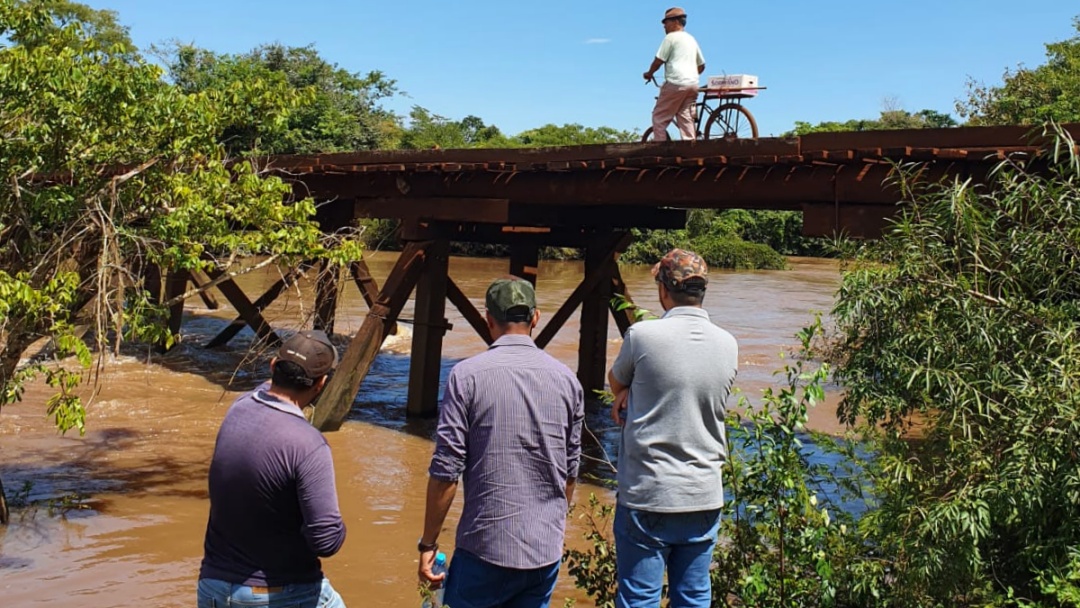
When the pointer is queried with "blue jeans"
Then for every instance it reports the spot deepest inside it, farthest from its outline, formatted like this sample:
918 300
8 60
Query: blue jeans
220 594
474 583
646 543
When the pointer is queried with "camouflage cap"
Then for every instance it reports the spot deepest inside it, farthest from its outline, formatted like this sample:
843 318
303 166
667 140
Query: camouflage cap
511 300
677 266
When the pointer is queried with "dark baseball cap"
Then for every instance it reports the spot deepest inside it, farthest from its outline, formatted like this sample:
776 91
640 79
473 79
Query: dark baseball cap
511 300
312 351
676 269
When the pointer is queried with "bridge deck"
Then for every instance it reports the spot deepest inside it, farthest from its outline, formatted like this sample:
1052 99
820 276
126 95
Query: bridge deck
589 197
839 180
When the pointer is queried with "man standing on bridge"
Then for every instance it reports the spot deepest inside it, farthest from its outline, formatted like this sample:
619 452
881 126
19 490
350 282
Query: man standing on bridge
671 381
273 505
683 64
510 426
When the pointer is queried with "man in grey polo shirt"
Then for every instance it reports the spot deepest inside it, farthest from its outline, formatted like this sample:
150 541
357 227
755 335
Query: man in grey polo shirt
273 504
671 380
510 427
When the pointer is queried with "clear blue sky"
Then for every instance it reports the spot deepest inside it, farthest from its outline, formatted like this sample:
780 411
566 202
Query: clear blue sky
520 64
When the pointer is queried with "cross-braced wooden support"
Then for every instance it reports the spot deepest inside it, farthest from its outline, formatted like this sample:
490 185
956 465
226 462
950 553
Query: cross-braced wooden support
340 392
250 313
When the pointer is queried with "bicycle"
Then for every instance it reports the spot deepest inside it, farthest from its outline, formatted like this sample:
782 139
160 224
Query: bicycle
728 120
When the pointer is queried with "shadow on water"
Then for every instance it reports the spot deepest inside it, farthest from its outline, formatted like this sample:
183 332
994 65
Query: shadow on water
88 475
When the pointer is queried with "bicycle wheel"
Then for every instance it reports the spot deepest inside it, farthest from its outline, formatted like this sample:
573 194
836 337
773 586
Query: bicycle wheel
731 121
647 136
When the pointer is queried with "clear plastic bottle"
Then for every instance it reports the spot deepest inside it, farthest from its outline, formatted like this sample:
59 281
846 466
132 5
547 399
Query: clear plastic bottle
435 601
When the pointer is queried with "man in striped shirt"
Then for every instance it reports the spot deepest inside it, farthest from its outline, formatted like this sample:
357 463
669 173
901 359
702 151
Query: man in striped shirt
510 425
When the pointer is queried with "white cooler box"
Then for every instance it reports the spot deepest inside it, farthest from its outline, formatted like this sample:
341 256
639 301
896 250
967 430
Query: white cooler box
734 85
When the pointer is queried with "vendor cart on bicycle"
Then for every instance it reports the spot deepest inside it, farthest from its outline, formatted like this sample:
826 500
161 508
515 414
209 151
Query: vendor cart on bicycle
719 112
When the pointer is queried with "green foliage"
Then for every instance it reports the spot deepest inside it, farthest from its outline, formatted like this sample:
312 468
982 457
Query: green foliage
571 135
1049 92
100 25
106 170
889 120
430 131
785 541
593 569
335 110
711 237
958 350
780 230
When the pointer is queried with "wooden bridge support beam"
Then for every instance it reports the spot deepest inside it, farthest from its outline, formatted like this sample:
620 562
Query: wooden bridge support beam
326 297
524 260
600 258
428 329
152 282
198 279
175 285
340 392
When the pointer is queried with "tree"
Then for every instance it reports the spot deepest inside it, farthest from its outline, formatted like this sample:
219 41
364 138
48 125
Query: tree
102 26
957 347
1031 96
105 171
890 119
340 111
430 131
571 135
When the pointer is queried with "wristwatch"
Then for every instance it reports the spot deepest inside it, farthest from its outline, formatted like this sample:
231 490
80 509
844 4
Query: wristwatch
423 547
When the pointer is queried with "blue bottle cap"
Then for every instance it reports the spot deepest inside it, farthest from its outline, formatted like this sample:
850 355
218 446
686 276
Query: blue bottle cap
440 558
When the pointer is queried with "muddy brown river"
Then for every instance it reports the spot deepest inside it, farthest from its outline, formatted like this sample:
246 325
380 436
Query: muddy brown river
117 515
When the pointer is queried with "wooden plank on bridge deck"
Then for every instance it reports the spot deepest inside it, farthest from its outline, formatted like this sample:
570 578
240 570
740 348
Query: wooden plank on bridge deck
337 399
967 137
537 158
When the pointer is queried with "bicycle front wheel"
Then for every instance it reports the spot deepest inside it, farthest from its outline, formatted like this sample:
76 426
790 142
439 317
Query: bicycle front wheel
647 136
731 121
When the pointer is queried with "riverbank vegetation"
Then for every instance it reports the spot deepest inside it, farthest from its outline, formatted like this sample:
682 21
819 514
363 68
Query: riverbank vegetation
109 173
956 341
956 335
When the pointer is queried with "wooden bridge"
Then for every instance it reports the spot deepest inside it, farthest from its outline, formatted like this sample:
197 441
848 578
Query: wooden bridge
588 197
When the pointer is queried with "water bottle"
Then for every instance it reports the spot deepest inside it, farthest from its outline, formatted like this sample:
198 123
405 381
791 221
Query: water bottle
435 601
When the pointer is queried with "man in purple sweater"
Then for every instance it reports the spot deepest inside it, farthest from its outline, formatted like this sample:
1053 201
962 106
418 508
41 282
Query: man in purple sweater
510 428
273 505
